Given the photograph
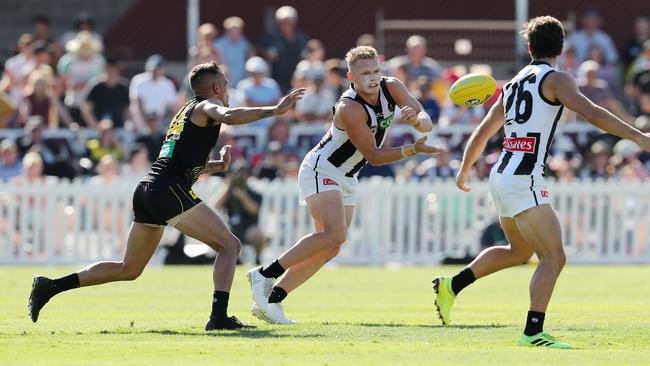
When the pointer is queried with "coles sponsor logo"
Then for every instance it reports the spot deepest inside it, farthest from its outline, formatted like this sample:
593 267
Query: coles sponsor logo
523 144
329 182
544 193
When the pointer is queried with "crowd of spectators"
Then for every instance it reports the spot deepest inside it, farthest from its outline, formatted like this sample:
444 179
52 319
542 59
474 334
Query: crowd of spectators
72 83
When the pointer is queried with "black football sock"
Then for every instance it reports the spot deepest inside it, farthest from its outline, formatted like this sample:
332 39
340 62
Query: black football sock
64 284
220 304
534 323
273 270
277 295
463 279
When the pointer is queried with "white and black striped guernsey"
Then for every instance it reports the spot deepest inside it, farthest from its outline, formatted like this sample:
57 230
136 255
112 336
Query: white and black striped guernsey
336 148
530 121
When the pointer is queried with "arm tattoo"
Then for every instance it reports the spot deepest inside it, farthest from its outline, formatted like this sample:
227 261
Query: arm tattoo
264 114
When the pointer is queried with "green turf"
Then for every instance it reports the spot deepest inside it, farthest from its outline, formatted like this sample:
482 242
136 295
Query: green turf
357 315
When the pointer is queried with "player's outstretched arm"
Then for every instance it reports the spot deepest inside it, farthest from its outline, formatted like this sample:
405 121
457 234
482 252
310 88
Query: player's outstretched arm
351 117
412 111
490 125
564 88
243 115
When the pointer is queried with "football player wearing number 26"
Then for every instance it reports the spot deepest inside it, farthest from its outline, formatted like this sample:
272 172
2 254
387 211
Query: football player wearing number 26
528 109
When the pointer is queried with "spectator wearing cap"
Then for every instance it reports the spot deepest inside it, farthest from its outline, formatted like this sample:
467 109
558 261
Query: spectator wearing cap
591 35
13 79
316 105
10 165
283 48
107 97
258 89
82 62
82 22
234 48
151 93
416 61
205 50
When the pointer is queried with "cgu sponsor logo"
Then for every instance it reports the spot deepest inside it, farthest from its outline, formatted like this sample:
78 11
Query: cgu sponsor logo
520 144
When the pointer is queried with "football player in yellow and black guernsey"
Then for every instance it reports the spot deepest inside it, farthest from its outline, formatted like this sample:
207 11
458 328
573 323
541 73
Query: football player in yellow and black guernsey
165 196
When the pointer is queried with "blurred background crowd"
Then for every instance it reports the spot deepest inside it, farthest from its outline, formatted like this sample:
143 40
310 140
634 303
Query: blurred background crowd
118 116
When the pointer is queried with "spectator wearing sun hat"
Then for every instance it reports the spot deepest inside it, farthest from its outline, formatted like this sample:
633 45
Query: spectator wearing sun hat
82 62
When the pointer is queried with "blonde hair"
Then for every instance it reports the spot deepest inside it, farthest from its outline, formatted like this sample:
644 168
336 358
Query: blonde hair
360 53
206 29
32 158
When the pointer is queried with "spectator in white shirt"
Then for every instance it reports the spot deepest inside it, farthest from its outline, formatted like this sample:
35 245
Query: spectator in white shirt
151 93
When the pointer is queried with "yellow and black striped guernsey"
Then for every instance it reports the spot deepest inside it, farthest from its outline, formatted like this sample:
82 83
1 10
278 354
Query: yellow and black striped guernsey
186 149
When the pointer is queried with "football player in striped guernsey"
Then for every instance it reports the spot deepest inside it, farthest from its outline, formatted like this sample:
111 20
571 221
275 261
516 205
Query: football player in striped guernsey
328 175
528 110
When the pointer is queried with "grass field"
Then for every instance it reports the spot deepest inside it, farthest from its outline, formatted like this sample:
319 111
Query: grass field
347 315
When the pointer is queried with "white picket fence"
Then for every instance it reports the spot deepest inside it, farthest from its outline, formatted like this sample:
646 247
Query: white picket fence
402 222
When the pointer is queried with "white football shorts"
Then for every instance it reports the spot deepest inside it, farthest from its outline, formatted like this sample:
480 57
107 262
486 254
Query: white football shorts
514 194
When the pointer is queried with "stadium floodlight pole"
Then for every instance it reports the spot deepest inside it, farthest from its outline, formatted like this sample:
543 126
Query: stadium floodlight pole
192 22
521 17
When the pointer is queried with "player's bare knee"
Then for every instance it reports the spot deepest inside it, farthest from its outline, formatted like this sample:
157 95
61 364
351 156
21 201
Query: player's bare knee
130 272
554 258
334 238
333 252
231 245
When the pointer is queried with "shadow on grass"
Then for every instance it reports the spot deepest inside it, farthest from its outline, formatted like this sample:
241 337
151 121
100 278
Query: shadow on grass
244 333
432 326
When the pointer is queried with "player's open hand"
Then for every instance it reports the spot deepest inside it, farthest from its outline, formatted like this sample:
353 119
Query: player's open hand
289 100
461 178
225 157
409 115
422 148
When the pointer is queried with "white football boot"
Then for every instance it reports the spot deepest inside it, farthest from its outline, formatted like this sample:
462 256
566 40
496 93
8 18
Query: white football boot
260 288
274 314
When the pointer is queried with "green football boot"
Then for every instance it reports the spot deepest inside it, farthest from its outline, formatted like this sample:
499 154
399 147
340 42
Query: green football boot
542 339
444 298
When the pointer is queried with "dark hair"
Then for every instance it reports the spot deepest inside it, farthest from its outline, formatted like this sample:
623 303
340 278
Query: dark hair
199 73
41 19
545 36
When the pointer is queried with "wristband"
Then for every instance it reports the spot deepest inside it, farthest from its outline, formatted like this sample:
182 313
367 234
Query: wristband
402 150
